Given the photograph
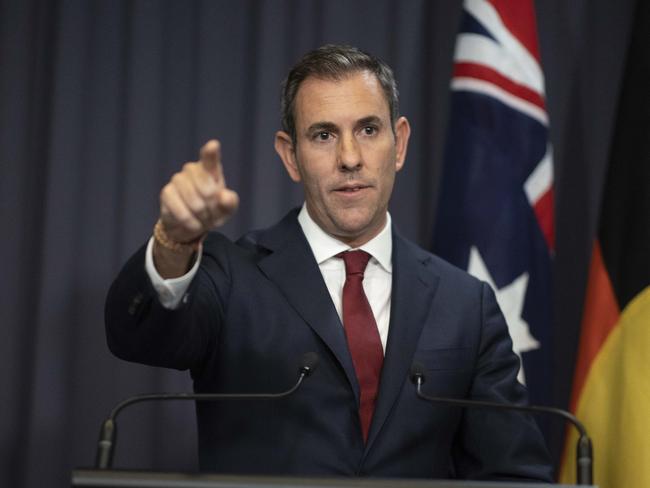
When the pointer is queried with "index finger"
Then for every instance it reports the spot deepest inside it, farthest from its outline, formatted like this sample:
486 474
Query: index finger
210 158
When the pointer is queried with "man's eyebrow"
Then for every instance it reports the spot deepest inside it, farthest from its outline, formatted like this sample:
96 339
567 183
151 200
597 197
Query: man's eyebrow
322 126
371 119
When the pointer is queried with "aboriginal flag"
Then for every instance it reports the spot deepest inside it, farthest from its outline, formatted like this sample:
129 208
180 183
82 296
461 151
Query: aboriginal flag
495 215
611 389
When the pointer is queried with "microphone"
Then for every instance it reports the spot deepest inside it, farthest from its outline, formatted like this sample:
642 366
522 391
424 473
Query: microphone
584 457
107 434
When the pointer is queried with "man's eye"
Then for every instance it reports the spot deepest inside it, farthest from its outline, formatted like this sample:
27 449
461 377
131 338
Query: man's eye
323 135
370 130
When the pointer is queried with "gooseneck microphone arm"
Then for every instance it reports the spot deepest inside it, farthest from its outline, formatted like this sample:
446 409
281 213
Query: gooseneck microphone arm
584 456
108 432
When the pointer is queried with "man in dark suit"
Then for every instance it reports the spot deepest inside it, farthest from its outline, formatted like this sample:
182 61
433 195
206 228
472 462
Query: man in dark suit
333 278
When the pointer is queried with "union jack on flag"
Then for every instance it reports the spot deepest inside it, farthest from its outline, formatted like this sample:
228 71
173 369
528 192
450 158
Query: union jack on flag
495 216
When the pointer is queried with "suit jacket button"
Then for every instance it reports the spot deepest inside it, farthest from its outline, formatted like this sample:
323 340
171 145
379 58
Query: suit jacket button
135 304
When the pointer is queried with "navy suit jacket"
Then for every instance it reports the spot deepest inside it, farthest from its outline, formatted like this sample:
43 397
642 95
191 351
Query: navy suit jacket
255 307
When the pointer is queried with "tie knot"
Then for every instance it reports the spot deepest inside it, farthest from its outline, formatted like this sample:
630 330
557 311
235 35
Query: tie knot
355 261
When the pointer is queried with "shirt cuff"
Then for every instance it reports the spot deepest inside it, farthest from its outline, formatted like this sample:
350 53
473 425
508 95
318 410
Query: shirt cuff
170 292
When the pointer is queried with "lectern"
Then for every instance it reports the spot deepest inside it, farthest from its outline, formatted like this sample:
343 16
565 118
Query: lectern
140 479
106 477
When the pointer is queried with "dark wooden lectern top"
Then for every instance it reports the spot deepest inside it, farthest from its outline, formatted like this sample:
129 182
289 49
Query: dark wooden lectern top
140 479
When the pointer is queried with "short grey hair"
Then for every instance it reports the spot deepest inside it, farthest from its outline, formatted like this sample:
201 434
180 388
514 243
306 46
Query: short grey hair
335 62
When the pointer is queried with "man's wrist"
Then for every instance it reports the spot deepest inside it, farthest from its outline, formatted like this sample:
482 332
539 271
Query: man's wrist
183 248
170 258
170 290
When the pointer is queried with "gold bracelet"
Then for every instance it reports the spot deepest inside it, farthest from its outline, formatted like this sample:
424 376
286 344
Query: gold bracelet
180 247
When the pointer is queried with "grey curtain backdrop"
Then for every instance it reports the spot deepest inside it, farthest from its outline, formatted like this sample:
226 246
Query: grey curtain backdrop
101 101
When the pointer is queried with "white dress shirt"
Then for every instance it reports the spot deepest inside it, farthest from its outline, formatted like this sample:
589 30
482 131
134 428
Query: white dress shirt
377 279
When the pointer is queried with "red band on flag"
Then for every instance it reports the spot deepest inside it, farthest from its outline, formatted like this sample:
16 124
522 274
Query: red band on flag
544 212
519 17
601 314
482 72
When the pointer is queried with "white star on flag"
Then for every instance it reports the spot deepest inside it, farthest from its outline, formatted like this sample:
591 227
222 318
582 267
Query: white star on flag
511 301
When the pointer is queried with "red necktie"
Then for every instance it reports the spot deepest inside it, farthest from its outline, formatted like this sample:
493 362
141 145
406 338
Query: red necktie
362 334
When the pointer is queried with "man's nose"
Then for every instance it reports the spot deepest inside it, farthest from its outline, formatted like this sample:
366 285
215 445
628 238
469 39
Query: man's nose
349 153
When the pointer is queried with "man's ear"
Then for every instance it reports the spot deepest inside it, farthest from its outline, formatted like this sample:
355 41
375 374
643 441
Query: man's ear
284 148
402 134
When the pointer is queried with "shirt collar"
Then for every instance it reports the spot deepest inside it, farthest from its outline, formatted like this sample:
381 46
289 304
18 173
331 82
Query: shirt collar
324 246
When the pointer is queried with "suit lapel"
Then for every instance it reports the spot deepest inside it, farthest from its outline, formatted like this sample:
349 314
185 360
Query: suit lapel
414 287
292 267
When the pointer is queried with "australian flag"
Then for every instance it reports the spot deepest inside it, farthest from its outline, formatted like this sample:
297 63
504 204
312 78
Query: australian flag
495 216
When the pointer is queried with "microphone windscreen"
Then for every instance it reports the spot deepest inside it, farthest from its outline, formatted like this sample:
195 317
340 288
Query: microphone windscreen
309 363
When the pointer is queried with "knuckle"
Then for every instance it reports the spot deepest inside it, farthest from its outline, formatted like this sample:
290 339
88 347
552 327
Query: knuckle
208 189
196 205
177 179
166 192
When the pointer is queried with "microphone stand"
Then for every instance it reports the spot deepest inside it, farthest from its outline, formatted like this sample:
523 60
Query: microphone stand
584 456
108 432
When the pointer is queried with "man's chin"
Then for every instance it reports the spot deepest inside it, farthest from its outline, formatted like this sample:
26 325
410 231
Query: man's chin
355 231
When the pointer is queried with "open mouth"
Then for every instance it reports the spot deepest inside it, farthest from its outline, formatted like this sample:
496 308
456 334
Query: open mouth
351 188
